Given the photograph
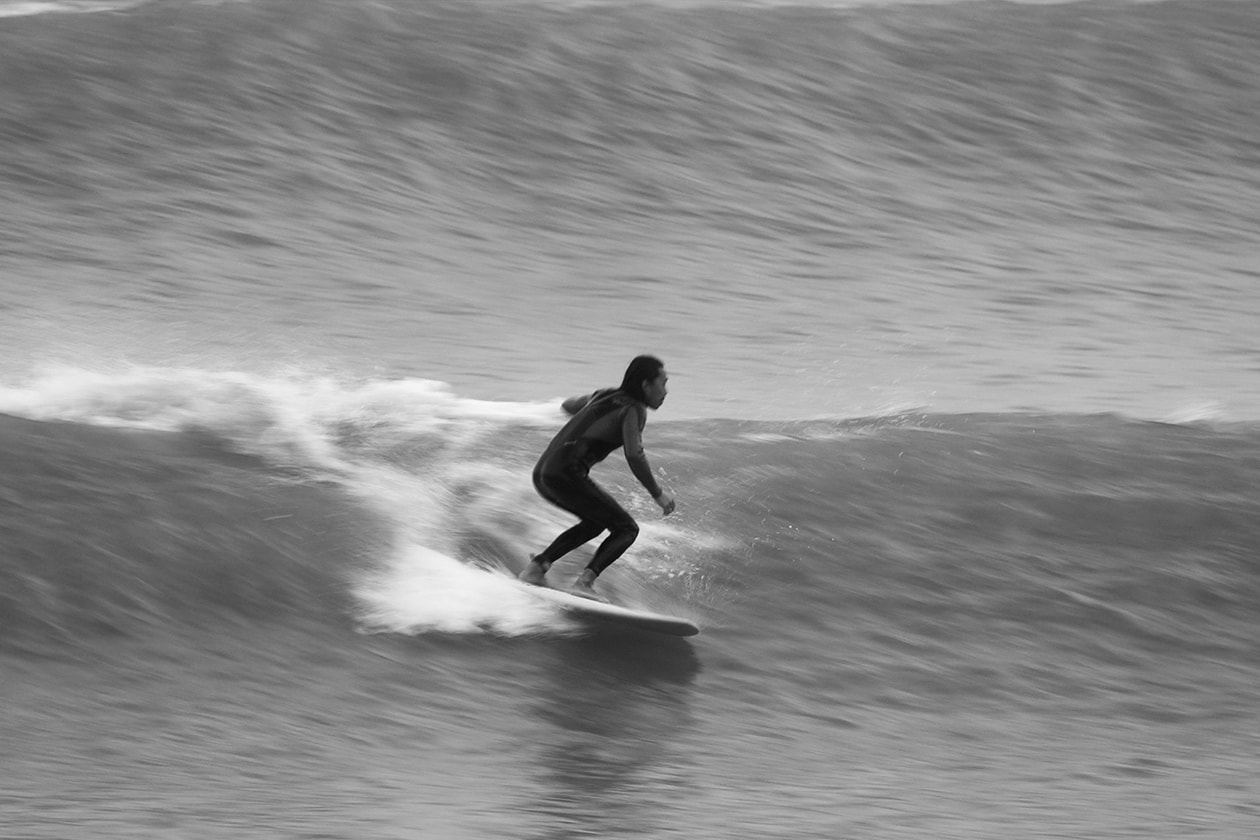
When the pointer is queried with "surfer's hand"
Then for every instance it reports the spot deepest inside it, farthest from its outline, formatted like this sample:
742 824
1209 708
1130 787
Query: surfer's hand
666 501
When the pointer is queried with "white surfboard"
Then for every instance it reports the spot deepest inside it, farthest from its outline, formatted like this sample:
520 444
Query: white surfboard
590 610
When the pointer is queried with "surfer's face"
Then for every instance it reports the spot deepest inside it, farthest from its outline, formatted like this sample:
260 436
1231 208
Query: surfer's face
654 390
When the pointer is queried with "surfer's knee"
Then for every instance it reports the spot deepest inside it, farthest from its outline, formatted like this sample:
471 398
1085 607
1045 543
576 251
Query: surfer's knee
628 530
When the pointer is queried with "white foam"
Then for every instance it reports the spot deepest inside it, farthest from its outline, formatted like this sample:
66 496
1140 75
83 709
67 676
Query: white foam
36 7
424 590
287 417
1202 413
412 450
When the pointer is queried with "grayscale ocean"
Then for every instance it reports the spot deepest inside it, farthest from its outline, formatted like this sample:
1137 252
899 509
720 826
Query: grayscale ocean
960 305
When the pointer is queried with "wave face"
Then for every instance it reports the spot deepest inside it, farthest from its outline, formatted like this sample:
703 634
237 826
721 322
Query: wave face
1035 592
397 505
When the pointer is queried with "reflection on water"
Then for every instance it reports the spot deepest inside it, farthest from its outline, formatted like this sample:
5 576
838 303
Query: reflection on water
613 710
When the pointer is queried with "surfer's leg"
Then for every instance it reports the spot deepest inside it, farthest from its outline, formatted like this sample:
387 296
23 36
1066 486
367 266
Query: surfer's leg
568 493
621 538
622 535
577 536
580 534
623 531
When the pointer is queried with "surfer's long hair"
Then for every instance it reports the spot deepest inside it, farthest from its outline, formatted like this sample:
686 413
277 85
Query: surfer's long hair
641 369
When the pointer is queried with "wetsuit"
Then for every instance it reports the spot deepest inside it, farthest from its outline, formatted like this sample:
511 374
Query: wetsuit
601 423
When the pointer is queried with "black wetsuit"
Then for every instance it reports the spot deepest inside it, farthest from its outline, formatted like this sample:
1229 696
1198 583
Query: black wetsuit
601 423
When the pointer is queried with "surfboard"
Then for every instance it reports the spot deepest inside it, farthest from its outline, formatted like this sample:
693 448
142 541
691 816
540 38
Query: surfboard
599 612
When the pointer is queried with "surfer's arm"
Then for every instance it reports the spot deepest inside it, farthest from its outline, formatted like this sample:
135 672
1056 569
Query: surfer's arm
632 439
573 405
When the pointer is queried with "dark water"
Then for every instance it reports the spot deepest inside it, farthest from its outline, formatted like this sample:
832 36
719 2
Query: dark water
959 305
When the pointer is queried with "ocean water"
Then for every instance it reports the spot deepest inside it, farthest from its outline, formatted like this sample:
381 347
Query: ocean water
959 303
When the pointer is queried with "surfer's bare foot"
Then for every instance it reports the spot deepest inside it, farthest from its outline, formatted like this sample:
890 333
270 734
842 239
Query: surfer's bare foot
584 586
535 574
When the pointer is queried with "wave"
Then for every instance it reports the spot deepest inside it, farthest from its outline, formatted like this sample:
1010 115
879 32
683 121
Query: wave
400 507
871 204
112 532
156 495
682 110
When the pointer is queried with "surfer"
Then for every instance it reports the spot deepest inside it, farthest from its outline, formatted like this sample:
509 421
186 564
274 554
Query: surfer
600 423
